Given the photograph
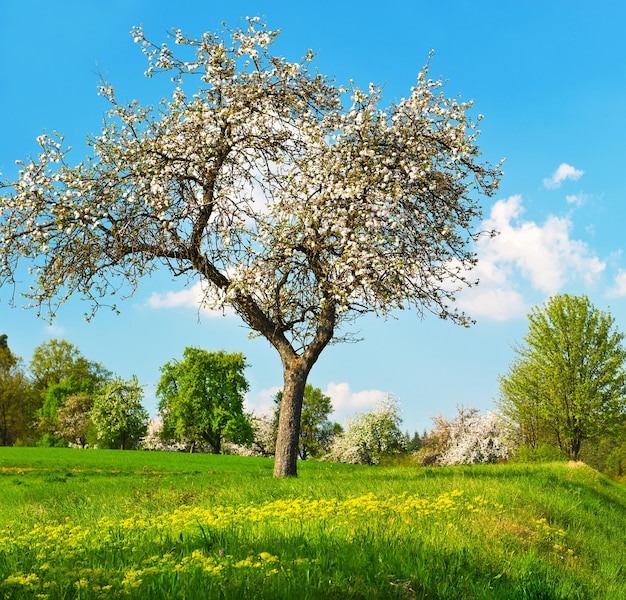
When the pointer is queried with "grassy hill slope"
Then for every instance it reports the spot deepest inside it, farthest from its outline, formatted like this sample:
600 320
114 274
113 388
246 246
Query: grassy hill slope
110 524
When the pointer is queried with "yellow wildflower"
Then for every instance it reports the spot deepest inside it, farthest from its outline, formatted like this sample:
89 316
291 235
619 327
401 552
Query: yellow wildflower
29 580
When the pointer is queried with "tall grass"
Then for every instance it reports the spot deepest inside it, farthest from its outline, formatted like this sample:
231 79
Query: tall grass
98 524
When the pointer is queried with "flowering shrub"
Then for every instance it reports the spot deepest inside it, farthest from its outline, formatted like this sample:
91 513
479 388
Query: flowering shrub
477 440
370 436
468 438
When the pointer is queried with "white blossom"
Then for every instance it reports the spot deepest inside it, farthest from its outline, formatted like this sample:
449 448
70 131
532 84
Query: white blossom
370 436
300 212
470 437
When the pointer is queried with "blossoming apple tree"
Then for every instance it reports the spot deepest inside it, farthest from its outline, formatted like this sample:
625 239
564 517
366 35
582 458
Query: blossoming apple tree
299 203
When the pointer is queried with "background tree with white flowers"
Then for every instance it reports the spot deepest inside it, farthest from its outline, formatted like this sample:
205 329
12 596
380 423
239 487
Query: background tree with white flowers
118 417
370 436
299 203
468 438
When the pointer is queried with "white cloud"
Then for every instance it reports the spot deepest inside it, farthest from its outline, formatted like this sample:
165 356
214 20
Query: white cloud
563 172
55 329
577 199
346 402
543 255
618 290
497 303
184 298
195 297
263 401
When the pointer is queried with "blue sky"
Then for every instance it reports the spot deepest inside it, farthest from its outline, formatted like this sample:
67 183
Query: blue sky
550 79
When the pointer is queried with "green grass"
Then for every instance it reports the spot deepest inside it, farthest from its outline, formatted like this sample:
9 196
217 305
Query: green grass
110 524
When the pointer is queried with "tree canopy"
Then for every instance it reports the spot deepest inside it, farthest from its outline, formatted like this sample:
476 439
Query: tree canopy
568 383
300 203
16 398
201 399
59 370
60 362
117 414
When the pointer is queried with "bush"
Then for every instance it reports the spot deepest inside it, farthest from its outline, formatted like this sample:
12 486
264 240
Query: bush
370 436
468 438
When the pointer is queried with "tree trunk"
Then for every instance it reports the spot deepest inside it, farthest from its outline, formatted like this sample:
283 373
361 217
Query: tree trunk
286 458
296 369
575 446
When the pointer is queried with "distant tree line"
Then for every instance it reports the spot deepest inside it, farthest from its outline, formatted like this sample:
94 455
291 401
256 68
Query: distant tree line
61 398
563 398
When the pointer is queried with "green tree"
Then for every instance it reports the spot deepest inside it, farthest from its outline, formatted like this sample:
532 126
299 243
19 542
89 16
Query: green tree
316 430
17 406
413 442
59 361
59 370
118 416
54 399
201 399
299 203
568 382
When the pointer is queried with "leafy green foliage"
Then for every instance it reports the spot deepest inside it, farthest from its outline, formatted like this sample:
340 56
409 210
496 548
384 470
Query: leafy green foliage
542 453
568 383
608 455
48 420
201 399
117 414
17 401
58 371
58 361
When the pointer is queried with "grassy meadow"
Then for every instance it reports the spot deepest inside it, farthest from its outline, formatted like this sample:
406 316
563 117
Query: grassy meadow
111 524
